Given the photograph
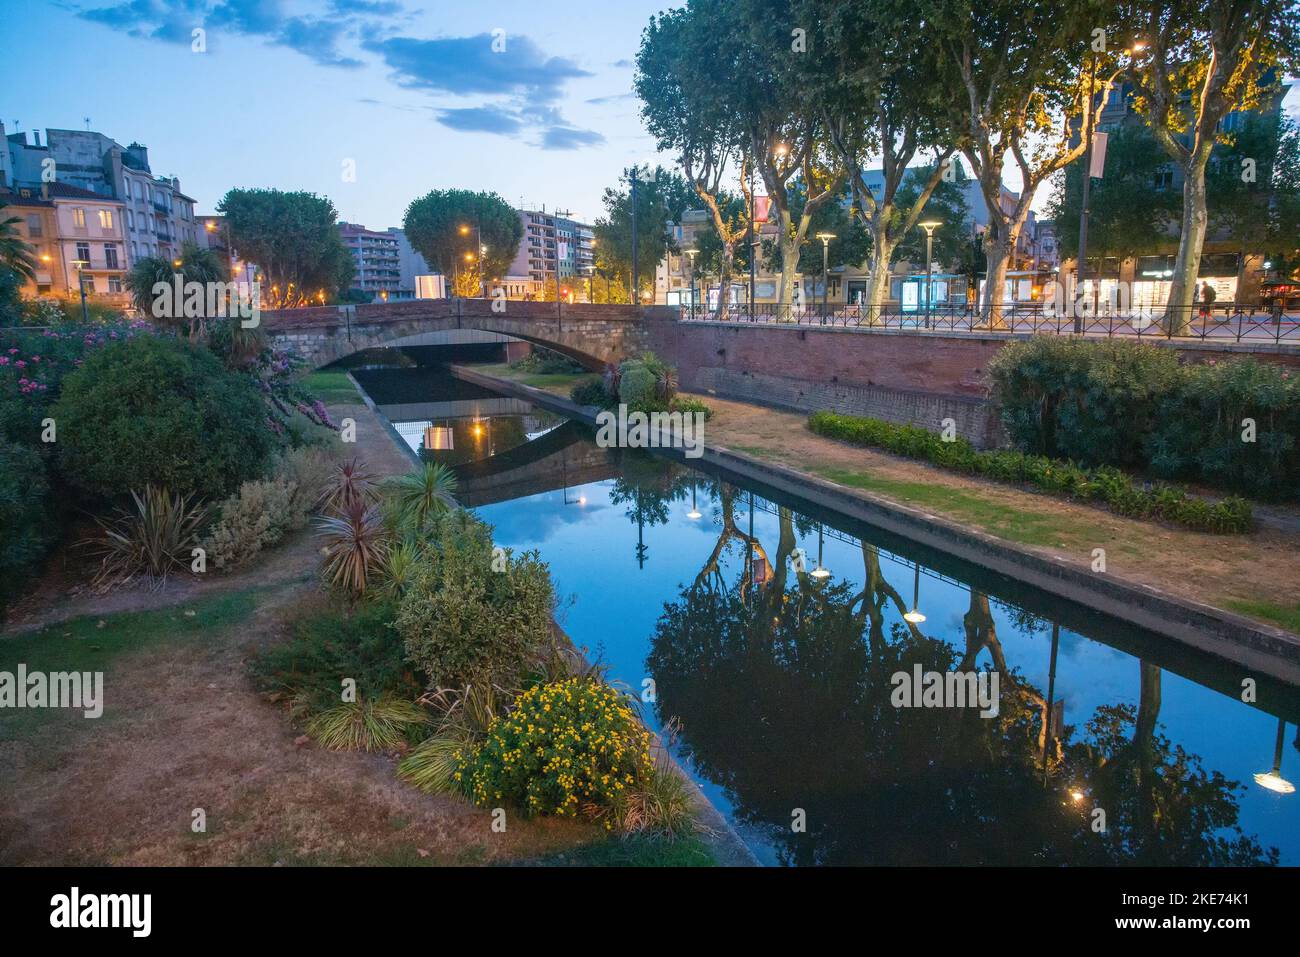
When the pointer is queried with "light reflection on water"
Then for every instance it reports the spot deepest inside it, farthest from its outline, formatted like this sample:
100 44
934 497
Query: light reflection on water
782 682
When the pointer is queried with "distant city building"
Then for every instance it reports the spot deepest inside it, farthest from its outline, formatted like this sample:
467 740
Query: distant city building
377 259
158 217
77 236
410 266
554 249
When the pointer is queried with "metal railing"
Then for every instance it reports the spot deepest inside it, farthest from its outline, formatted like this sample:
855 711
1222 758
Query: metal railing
1221 322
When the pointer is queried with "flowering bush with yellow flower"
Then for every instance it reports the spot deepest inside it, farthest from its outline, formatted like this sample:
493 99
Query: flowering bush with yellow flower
566 746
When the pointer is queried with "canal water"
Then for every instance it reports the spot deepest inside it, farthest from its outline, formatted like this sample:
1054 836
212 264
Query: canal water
776 686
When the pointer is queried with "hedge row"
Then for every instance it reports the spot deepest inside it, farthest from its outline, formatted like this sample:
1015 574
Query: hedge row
1233 424
1105 484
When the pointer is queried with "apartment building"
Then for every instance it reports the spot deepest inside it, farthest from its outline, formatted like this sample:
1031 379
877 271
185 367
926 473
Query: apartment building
78 237
157 216
410 265
376 256
554 249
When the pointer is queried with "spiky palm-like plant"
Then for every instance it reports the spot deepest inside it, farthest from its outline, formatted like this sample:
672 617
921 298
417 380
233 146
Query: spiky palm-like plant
353 483
356 545
16 255
151 540
424 493
195 265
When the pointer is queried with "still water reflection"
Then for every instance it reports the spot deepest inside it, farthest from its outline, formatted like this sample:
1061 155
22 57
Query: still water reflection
1110 746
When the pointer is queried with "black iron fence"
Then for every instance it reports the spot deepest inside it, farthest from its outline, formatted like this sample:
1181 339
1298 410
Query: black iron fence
1228 322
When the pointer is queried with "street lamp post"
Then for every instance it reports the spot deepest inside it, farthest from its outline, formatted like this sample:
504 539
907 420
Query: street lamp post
636 272
826 246
692 252
914 616
930 225
1081 262
81 264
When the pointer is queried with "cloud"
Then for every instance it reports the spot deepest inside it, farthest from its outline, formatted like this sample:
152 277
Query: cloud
569 138
623 64
612 98
317 39
482 119
469 65
173 21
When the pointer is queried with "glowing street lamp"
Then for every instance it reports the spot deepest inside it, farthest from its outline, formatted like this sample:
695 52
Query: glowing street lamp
930 225
914 616
692 252
826 246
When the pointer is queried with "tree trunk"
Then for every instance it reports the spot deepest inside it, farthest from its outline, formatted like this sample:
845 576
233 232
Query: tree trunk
1178 310
724 284
997 250
789 268
882 255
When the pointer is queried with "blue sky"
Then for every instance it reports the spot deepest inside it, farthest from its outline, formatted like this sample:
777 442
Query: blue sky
288 90
411 92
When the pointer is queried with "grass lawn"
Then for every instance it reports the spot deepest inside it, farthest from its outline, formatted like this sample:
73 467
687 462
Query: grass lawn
331 387
558 383
638 851
1005 521
1286 616
92 643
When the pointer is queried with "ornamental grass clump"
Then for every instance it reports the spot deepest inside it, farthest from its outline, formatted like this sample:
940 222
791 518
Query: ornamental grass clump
566 748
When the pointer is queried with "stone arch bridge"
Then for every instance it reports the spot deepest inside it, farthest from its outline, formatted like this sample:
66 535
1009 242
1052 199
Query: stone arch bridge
593 335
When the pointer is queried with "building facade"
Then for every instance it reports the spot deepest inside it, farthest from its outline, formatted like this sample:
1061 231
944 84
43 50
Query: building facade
78 238
376 256
157 217
555 252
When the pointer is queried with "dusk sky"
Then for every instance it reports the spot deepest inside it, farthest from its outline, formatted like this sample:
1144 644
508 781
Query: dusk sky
288 91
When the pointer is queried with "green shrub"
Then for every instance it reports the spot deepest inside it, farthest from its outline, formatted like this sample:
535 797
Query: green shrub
1133 405
156 411
565 747
1200 428
254 518
1105 484
545 362
591 392
471 615
636 385
337 643
25 520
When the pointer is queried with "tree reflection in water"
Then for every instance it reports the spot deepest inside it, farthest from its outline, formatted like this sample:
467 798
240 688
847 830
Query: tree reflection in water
782 688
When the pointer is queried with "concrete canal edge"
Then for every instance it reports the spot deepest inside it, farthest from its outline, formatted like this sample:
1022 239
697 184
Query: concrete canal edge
1253 645
717 834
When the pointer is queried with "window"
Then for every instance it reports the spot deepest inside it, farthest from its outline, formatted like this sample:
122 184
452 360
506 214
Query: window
83 252
105 219
130 220
135 252
89 283
34 230
110 256
114 283
78 217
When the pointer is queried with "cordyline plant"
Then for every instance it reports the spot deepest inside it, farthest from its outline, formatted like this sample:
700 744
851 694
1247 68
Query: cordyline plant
151 540
356 544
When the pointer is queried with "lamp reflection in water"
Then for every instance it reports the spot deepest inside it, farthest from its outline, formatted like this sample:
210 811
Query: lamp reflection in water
694 513
821 571
914 616
1273 780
